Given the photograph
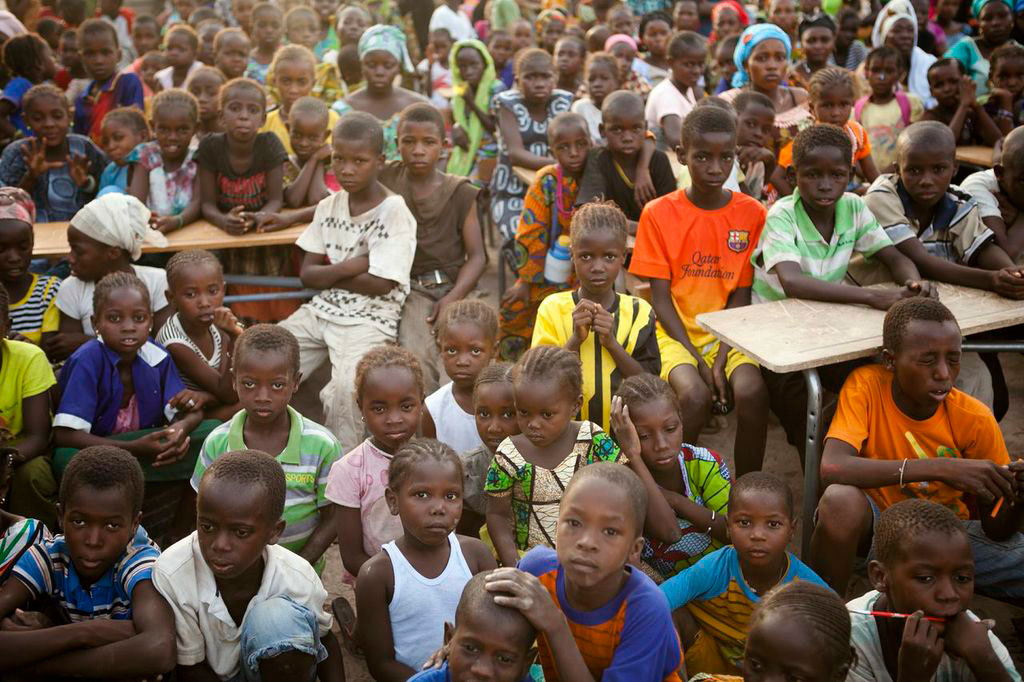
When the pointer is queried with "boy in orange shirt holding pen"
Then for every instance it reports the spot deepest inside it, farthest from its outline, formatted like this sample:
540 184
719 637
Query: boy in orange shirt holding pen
694 246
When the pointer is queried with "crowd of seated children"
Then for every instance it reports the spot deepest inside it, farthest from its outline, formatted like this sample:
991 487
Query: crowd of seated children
627 200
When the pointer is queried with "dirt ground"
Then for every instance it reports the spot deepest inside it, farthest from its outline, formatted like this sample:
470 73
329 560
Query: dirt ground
780 459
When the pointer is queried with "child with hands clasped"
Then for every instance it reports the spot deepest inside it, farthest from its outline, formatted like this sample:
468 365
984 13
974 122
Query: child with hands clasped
712 600
693 480
902 430
201 332
389 390
468 339
530 470
166 175
613 334
957 105
1003 103
59 169
265 369
106 617
923 567
359 251
601 618
245 607
423 572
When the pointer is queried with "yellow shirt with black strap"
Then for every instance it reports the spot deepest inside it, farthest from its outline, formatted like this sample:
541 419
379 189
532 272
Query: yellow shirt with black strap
634 329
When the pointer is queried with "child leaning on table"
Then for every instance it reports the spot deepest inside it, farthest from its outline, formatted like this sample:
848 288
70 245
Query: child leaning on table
805 250
359 250
902 430
999 196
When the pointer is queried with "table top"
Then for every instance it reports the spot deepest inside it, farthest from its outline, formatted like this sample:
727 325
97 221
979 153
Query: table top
51 239
975 155
795 334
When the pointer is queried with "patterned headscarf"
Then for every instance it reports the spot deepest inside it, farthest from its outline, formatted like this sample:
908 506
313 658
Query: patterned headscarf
118 220
390 39
550 14
16 204
751 37
979 5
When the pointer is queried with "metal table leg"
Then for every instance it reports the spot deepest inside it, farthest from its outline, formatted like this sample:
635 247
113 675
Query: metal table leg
812 457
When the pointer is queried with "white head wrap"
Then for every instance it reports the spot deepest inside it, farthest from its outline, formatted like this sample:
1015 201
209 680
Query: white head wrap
917 79
118 220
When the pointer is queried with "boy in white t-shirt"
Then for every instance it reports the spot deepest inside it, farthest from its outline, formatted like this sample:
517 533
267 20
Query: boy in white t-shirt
673 98
359 251
447 16
244 606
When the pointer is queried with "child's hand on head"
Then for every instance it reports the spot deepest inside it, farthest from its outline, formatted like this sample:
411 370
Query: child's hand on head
522 591
920 650
34 155
624 430
78 167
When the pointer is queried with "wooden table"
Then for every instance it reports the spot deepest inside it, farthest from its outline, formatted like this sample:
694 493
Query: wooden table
798 335
51 239
975 156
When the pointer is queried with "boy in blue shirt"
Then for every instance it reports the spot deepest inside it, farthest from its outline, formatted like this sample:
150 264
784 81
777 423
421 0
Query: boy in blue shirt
721 590
107 618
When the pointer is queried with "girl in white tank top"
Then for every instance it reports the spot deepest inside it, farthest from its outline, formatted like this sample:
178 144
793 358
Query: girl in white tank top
423 571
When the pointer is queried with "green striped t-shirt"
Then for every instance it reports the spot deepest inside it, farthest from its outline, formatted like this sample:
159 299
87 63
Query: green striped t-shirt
790 236
306 460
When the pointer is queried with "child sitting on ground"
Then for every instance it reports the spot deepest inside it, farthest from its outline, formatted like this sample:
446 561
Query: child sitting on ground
108 89
267 26
601 74
201 332
596 612
389 388
612 333
166 174
90 607
408 591
122 131
720 591
629 171
243 605
105 236
205 85
266 375
475 83
181 45
467 336
494 410
693 245
693 480
887 110
957 105
26 379
673 98
923 566
934 223
59 169
483 631
308 178
29 61
32 309
231 50
530 471
358 252
801 631
1000 202
904 422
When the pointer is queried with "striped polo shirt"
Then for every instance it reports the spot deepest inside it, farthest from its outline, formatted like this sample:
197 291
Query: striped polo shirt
47 569
306 459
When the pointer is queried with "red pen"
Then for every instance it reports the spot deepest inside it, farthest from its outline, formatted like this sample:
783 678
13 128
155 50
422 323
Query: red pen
890 614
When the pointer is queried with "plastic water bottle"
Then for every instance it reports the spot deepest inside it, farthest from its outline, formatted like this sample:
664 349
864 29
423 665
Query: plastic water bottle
558 263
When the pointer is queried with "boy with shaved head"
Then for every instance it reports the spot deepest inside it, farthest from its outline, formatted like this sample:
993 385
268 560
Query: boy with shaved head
1000 195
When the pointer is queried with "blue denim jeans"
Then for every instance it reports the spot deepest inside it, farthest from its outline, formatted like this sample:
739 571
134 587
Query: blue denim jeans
273 627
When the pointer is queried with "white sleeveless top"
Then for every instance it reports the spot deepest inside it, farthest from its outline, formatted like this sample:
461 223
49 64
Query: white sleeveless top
421 606
455 427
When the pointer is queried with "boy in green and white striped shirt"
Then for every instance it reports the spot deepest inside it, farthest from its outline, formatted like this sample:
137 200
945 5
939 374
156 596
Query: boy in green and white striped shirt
266 375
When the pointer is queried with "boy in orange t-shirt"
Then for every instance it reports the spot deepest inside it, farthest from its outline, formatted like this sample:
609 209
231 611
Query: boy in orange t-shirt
903 431
694 246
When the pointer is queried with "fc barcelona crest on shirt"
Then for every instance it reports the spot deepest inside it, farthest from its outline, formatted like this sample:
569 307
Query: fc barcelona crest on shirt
739 240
